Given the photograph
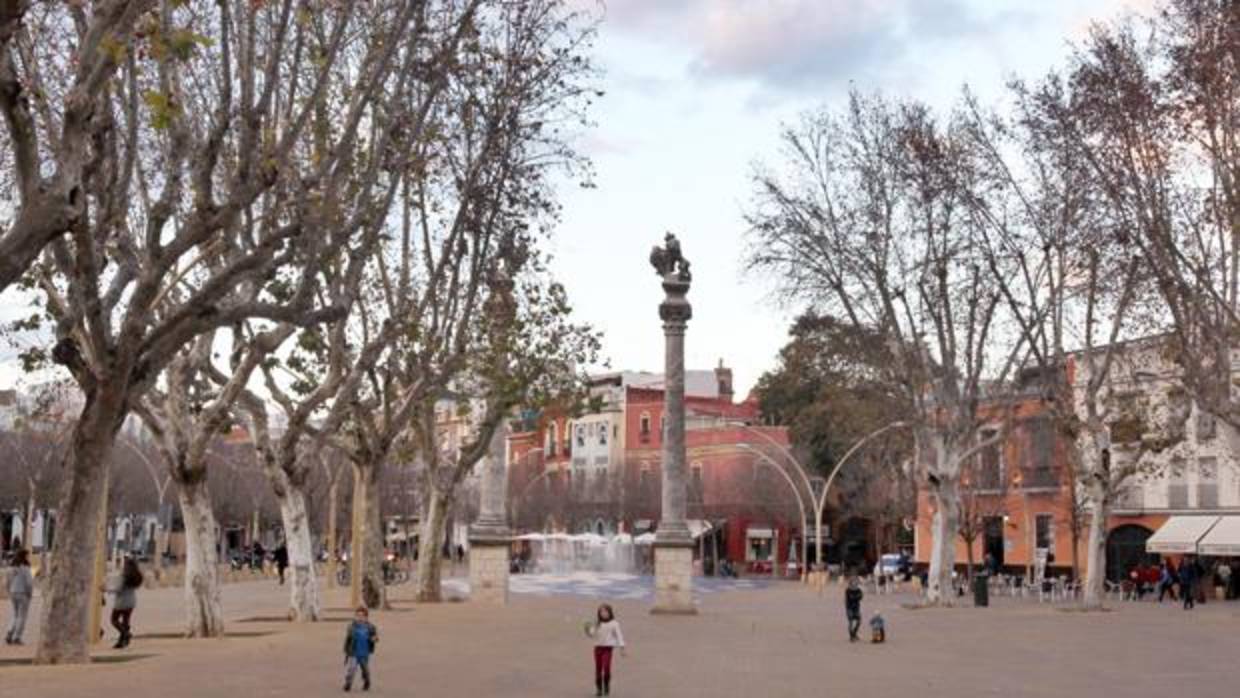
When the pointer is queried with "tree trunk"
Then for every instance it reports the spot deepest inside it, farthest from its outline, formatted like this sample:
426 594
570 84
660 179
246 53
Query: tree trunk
370 562
969 561
28 526
1096 550
303 583
1076 552
430 562
204 614
943 533
357 537
64 619
333 496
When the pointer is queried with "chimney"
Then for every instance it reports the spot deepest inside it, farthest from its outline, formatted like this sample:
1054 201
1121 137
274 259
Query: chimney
723 376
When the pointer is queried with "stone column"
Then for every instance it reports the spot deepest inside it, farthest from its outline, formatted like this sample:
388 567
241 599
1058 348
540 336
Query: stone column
489 536
673 551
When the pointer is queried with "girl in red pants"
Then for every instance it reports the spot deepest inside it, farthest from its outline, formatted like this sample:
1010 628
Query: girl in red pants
607 637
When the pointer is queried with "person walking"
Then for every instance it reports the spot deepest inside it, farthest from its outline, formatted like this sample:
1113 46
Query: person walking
124 589
605 631
359 643
21 589
280 557
1166 581
852 607
1188 583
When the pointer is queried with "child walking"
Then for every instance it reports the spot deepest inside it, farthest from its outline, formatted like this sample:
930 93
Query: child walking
359 643
124 587
21 588
852 608
607 637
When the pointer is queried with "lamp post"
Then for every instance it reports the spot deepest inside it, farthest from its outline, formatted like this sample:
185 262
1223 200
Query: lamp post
767 460
812 485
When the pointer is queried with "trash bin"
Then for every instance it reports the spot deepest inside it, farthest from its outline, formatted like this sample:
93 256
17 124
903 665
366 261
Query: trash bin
981 589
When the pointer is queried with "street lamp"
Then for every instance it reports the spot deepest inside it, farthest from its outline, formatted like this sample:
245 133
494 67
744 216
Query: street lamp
800 505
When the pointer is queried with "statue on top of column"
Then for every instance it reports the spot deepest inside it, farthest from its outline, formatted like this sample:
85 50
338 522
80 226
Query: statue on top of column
668 262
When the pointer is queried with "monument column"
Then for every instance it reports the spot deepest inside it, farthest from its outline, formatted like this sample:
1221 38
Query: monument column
673 547
489 536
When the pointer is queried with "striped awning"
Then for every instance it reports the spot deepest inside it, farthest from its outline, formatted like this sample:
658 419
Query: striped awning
1180 534
1222 540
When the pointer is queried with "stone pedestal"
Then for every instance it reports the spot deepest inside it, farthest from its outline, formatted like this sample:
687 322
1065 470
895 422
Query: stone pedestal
673 580
488 571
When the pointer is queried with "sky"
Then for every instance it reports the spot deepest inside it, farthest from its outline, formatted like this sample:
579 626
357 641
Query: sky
695 94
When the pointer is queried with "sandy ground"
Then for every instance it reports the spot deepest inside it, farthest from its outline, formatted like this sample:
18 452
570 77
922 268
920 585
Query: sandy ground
781 640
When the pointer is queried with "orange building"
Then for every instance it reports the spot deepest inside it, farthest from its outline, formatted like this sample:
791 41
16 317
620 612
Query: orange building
1017 497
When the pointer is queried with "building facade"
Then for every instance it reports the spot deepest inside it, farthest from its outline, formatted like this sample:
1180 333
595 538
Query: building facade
600 471
1022 504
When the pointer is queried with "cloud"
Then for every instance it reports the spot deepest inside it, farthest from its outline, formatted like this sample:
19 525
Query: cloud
795 44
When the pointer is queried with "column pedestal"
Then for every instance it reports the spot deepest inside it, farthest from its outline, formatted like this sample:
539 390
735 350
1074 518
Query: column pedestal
673 579
488 569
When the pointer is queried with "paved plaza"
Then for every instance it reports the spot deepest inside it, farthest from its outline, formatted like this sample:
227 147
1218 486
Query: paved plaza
764 639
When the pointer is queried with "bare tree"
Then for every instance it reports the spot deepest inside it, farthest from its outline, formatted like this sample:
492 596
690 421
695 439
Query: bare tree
193 144
871 225
53 108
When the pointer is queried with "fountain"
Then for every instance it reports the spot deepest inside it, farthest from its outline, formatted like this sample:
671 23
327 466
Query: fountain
562 553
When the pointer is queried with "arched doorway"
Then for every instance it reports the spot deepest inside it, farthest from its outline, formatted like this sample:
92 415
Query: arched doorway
1126 549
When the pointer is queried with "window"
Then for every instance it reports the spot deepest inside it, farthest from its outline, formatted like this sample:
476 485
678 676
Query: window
1177 488
581 435
645 426
1039 466
1207 483
1205 425
990 463
602 435
695 481
1044 532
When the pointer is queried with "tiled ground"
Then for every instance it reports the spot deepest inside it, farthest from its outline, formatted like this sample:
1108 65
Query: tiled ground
779 640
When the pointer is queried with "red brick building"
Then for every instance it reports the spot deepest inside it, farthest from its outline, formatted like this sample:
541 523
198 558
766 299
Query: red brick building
601 472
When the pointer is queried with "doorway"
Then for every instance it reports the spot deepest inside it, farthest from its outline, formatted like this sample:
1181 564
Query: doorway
992 540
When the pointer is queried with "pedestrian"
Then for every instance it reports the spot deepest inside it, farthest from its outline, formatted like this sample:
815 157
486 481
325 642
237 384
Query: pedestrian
124 589
1223 572
605 631
1166 581
21 589
257 555
280 557
852 607
360 641
1188 583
